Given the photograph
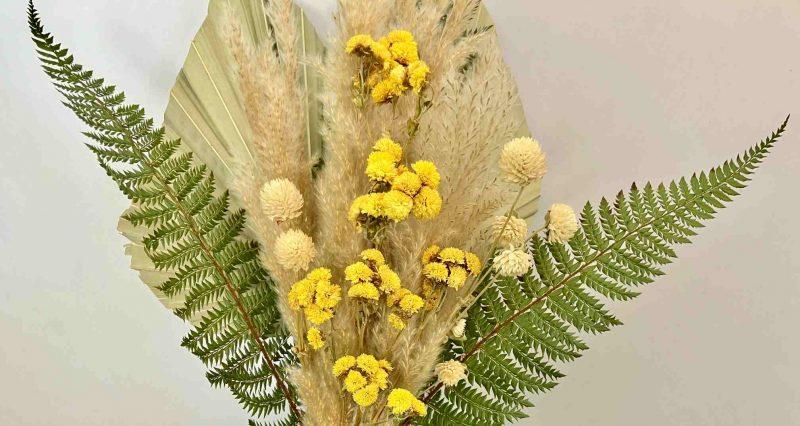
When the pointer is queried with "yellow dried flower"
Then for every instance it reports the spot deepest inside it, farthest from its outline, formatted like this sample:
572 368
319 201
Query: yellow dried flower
294 250
408 183
451 372
452 255
428 173
381 166
368 363
418 75
317 315
358 272
397 73
380 378
364 291
396 321
381 54
427 203
281 200
390 281
395 297
435 271
354 381
429 254
523 161
327 295
320 274
562 224
359 44
374 256
473 263
411 304
457 278
315 340
387 90
301 294
389 146
403 402
343 364
397 205
404 52
369 204
366 396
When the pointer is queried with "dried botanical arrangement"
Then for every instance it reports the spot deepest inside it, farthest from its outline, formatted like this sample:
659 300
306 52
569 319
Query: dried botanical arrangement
389 268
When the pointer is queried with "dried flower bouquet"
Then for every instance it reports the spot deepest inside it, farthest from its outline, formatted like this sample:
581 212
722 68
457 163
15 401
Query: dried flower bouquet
386 271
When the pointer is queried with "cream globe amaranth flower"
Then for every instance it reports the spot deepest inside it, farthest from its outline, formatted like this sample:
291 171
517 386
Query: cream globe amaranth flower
451 372
281 200
561 222
294 250
458 329
523 161
512 262
511 233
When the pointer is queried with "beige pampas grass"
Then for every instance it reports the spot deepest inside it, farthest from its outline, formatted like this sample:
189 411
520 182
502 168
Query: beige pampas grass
561 222
523 161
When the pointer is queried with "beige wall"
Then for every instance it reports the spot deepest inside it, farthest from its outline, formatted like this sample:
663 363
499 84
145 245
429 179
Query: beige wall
616 91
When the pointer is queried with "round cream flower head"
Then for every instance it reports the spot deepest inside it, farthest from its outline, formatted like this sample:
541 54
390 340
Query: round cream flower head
562 224
512 262
281 200
513 232
294 250
451 372
458 329
523 161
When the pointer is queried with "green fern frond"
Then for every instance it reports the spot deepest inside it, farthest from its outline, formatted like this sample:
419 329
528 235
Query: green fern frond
517 334
192 234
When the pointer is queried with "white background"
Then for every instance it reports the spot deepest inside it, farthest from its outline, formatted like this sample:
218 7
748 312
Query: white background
617 91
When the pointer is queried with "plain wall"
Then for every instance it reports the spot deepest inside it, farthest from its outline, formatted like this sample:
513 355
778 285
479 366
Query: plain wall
616 91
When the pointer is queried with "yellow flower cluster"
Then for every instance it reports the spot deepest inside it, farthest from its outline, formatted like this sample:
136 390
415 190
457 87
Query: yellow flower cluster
363 377
446 267
403 403
317 296
397 191
393 65
372 278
